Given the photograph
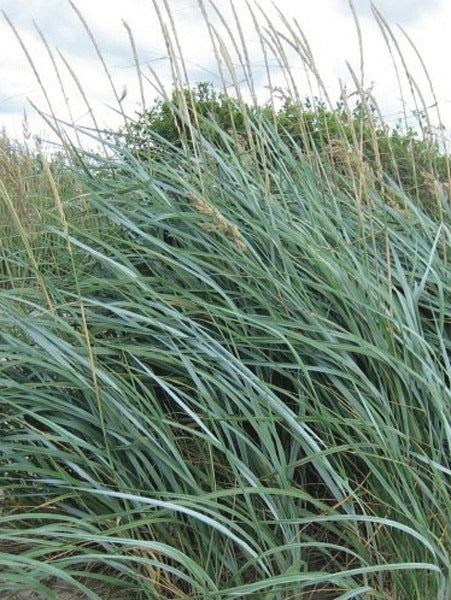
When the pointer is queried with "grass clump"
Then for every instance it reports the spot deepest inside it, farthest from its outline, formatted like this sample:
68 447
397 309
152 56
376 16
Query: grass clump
234 381
32 185
351 141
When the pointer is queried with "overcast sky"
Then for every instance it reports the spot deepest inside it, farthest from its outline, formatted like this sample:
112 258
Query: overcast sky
328 25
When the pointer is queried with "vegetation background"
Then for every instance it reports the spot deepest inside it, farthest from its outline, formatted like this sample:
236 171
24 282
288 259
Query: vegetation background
225 350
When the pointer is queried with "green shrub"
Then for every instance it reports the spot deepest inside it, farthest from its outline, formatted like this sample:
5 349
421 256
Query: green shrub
353 141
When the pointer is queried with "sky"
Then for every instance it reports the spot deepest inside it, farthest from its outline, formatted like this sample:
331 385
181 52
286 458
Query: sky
67 65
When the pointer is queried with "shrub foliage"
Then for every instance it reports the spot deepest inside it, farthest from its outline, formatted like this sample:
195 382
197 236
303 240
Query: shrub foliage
356 140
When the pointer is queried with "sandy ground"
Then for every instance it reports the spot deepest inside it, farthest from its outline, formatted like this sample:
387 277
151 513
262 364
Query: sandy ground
65 593
62 591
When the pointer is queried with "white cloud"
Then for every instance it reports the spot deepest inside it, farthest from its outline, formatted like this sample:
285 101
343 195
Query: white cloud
399 11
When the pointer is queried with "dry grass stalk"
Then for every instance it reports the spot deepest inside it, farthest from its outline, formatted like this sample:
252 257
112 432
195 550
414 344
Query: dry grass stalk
220 223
